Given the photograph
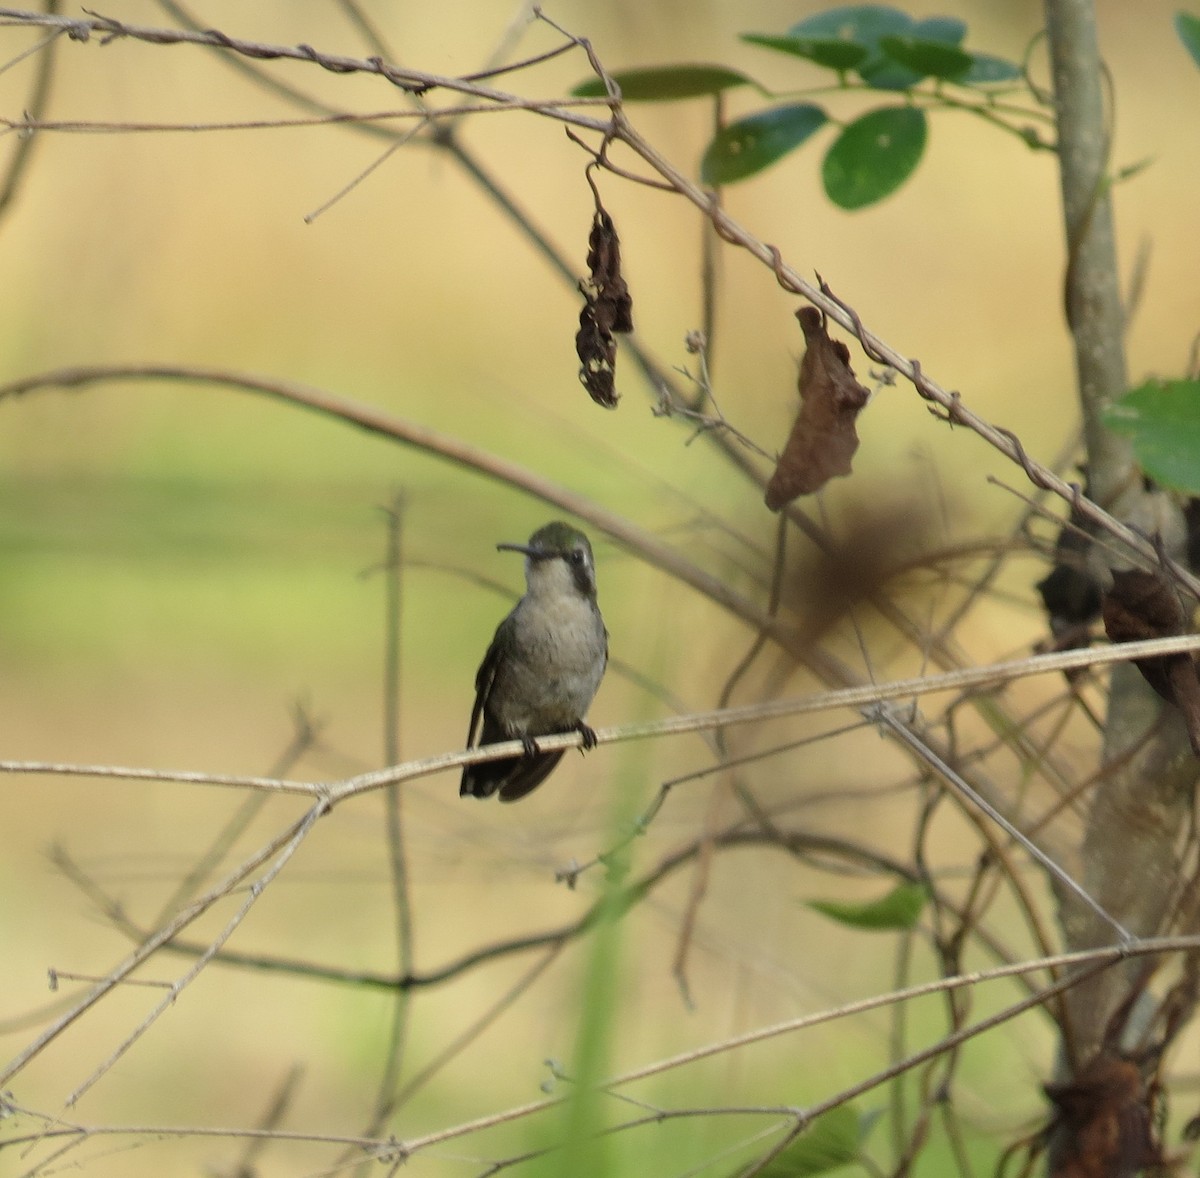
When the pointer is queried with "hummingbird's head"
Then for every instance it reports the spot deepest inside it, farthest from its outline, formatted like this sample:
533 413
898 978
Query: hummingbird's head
558 559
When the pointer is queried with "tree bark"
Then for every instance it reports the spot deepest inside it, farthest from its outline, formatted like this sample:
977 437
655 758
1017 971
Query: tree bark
1127 860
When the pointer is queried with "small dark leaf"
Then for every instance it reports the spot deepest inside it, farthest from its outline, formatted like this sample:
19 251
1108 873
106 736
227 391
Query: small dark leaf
899 909
1163 419
830 53
831 1141
874 155
927 59
1188 28
753 143
1071 593
668 83
1071 597
1142 605
823 439
1130 170
986 70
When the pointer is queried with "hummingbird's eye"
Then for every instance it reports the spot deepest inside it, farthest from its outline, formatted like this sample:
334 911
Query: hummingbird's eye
576 556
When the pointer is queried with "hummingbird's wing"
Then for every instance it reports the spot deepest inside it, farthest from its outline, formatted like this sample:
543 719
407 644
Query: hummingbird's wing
483 780
484 678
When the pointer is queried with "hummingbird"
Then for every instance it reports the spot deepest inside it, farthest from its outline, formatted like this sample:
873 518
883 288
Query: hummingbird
543 667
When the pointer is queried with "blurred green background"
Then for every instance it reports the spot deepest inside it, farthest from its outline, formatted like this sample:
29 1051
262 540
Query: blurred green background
180 565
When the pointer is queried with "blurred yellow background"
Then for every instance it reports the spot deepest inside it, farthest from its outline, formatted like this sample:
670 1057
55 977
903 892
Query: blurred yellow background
180 565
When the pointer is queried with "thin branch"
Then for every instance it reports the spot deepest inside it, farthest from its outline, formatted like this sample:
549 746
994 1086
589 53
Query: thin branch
619 128
954 411
39 100
280 1104
1088 960
107 29
393 798
302 740
282 845
905 733
332 793
800 844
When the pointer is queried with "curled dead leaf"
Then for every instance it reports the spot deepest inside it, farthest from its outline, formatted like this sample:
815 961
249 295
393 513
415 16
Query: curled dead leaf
604 264
823 438
597 352
608 309
1142 605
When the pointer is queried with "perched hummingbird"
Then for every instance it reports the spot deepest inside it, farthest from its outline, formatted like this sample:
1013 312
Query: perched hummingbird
543 667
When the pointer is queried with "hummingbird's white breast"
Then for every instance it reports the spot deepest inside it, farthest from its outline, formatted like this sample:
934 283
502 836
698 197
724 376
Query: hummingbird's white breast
553 670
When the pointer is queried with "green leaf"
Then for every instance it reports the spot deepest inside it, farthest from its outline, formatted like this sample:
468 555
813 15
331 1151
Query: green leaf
1130 170
668 83
946 30
987 70
1188 28
860 23
1163 419
862 37
832 1140
751 144
830 53
874 155
899 909
886 73
926 59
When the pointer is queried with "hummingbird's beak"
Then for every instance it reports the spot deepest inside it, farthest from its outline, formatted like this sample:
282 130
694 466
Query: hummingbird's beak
525 548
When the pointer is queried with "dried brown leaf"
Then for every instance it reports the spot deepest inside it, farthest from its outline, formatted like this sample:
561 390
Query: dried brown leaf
1142 605
823 439
608 309
597 352
1105 1119
604 262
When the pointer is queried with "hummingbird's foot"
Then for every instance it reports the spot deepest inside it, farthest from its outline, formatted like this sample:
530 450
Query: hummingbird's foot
588 734
530 746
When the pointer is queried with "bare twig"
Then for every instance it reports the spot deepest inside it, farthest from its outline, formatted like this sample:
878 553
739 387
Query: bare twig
39 100
991 674
904 732
280 848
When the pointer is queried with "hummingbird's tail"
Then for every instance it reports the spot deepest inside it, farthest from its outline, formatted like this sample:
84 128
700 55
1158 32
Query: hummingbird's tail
513 777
